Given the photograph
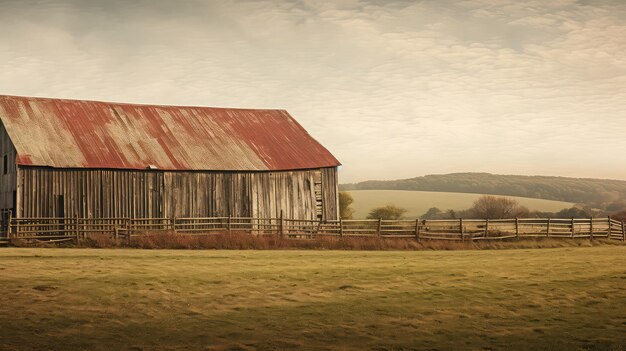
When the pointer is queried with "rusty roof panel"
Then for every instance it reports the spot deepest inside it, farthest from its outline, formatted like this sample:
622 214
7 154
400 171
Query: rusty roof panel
91 134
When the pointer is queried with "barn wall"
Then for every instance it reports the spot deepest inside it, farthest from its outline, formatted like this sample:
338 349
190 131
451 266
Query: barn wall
331 192
49 192
8 183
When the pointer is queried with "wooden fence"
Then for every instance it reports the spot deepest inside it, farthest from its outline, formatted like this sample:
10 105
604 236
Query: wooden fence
75 229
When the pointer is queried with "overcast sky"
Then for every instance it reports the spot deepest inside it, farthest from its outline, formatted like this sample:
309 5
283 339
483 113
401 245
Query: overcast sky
394 89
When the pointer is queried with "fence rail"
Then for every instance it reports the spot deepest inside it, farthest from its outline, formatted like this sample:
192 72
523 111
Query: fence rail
75 229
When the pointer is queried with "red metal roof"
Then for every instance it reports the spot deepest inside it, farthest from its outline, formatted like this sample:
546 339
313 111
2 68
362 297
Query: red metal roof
91 134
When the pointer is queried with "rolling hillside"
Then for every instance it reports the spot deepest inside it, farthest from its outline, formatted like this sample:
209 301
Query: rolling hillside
600 193
418 202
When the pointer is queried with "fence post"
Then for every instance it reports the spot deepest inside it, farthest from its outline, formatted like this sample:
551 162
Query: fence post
77 228
319 227
281 225
548 228
129 231
76 231
486 227
380 225
623 232
417 229
608 236
461 229
9 227
228 224
341 228
591 228
516 228
573 227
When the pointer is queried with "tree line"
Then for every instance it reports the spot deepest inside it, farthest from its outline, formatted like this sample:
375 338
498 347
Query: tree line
485 207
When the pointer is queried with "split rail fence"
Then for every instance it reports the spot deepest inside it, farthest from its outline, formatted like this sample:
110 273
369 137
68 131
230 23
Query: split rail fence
75 229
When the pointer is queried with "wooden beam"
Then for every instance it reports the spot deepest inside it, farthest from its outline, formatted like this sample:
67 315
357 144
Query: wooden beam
76 228
18 192
340 227
486 227
229 224
417 229
461 229
319 226
10 219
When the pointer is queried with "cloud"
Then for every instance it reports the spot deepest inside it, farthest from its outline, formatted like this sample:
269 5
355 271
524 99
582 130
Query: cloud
394 88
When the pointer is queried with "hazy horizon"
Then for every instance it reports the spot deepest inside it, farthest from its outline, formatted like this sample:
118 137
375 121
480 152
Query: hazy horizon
497 174
394 89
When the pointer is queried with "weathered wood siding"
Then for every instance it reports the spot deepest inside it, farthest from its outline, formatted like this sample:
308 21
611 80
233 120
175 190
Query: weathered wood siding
330 184
50 192
8 181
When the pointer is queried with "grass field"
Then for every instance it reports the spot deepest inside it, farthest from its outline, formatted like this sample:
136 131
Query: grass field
123 299
418 202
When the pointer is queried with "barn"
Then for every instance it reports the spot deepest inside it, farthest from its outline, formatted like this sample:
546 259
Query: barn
89 159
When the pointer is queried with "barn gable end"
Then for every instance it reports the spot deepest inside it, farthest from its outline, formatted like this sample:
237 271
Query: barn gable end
8 171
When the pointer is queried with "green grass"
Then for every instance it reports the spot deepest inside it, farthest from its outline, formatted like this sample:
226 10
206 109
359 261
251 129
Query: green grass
120 299
418 202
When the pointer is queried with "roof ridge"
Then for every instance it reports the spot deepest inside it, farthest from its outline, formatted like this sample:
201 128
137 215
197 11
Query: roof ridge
2 96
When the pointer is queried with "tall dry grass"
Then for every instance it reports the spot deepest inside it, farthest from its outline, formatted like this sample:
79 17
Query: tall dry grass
244 241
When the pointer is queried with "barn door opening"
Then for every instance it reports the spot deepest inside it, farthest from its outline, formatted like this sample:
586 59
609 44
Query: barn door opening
6 216
60 213
14 207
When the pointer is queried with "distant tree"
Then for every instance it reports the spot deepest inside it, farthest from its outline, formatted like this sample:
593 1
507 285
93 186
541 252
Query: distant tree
432 213
542 214
620 216
345 200
616 206
387 212
574 212
522 212
461 214
493 207
436 213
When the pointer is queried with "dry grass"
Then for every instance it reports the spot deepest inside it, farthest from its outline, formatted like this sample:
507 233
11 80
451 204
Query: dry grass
245 241
123 299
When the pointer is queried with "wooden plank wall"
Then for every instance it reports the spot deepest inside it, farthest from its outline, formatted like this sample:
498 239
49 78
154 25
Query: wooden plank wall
8 182
330 196
165 194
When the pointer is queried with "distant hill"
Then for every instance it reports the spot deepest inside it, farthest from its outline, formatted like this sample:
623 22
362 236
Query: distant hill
601 193
418 202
